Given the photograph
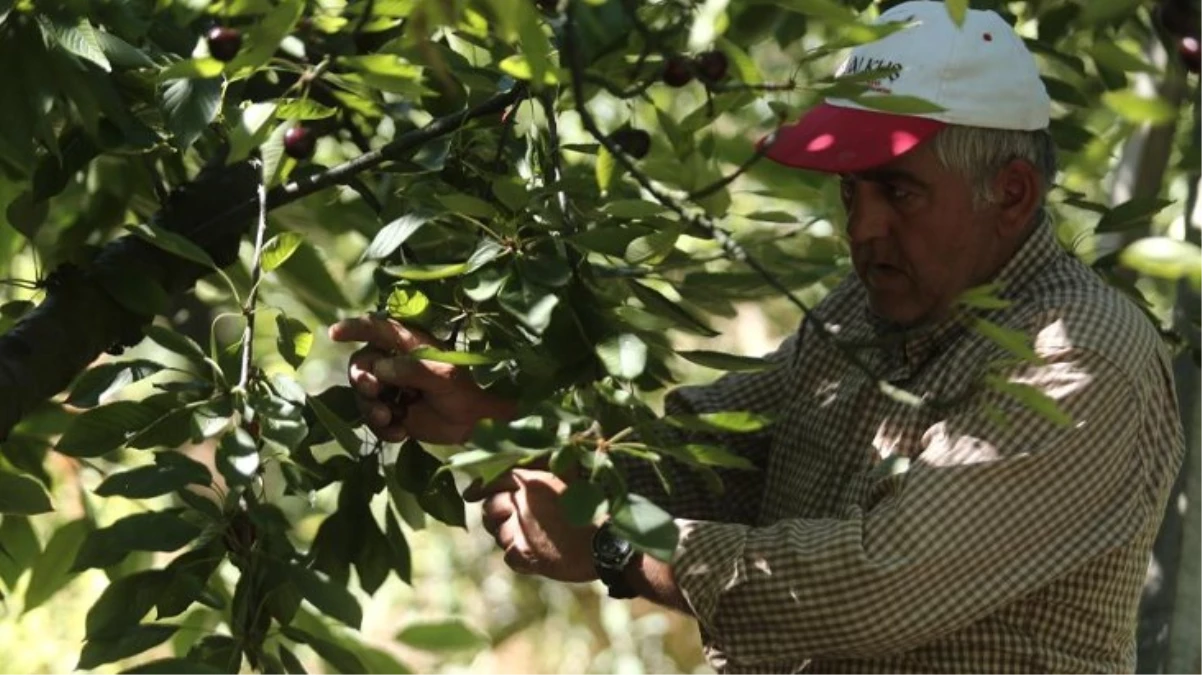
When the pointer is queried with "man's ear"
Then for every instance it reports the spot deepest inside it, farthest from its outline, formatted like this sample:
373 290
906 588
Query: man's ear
1017 188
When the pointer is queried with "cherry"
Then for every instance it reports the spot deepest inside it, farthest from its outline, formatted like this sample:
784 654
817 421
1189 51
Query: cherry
1178 18
224 43
677 71
634 142
1188 49
712 65
299 142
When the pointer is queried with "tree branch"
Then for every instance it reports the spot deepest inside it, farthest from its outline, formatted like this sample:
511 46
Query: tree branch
79 320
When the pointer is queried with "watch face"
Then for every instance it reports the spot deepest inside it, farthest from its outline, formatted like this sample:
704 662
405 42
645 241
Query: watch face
610 550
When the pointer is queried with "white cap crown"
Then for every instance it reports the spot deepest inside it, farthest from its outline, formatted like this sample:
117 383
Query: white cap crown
979 72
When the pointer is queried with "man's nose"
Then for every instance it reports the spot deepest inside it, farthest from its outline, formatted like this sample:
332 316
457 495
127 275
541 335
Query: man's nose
868 215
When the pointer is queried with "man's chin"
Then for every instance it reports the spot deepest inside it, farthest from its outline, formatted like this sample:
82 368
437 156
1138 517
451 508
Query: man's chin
896 311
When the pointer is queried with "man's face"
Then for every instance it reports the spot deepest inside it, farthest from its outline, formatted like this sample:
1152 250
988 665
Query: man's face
916 240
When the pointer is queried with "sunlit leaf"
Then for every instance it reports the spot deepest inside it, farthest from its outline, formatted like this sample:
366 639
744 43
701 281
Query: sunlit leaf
279 248
725 361
294 340
732 421
303 109
646 526
623 355
1140 109
22 495
1164 258
1032 398
442 635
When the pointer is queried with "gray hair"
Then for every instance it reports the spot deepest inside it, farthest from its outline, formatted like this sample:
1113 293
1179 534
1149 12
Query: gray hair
978 154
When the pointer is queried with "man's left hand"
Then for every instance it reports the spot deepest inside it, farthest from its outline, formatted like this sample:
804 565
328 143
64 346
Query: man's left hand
521 510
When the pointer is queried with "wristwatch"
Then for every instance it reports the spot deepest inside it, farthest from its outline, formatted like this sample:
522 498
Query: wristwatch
611 556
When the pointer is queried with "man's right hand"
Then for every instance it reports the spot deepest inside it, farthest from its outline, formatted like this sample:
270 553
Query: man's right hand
437 402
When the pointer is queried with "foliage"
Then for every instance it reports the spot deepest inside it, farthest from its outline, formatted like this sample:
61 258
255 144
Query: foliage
564 258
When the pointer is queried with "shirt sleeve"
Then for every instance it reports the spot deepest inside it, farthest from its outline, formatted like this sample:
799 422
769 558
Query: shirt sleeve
985 513
691 495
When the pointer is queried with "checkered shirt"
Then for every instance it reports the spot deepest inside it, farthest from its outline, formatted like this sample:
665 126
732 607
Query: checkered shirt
1010 544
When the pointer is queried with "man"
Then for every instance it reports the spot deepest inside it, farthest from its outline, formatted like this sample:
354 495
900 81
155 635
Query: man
1014 541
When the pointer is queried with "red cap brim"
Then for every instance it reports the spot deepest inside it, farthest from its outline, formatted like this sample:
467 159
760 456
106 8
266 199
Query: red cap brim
844 140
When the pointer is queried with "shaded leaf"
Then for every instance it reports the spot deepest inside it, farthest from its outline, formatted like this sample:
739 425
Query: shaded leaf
189 106
99 380
174 665
724 361
733 421
97 651
294 339
22 495
101 430
338 656
161 531
123 604
171 471
428 353
442 635
582 502
328 597
394 234
1133 213
52 570
646 526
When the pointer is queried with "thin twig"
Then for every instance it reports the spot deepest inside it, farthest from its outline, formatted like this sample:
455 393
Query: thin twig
725 88
561 197
713 187
248 333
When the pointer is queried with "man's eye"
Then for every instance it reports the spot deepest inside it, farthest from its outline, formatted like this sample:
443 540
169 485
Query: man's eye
898 194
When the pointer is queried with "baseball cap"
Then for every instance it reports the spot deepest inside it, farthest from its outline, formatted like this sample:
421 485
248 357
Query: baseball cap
979 73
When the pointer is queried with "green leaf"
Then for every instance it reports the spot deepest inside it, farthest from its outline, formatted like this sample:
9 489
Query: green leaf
652 248
709 455
97 652
401 559
292 665
174 665
103 429
1016 342
633 208
220 651
341 658
1112 55
484 285
582 502
957 9
121 53
731 421
519 67
624 355
81 40
646 526
328 597
1131 214
19 548
189 106
162 531
659 305
135 290
178 343
171 471
252 128
238 457
279 248
294 340
123 604
303 109
604 169
532 304
261 42
22 495
724 361
52 571
172 243
1164 258
426 272
1100 11
403 304
442 635
486 464
16 309
900 104
388 72
1032 398
394 234
338 428
1140 109
427 353
201 68
99 380
468 205
983 297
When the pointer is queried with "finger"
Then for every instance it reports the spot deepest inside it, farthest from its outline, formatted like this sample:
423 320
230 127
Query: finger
360 374
495 511
382 334
402 371
518 560
376 414
478 490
